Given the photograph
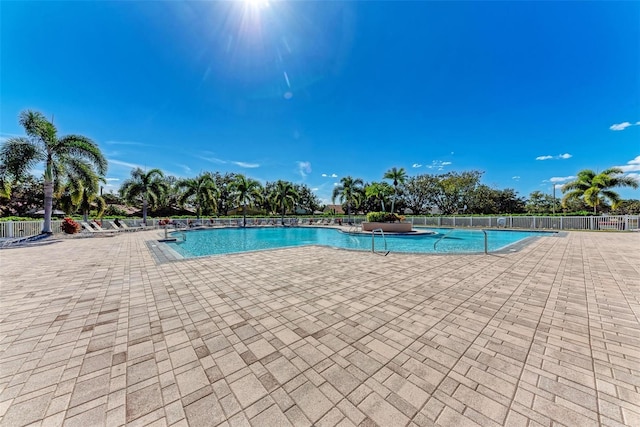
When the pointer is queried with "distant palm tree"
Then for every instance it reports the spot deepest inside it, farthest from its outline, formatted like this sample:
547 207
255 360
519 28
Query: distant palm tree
594 188
348 192
284 196
80 190
18 155
246 192
398 176
146 187
378 192
201 191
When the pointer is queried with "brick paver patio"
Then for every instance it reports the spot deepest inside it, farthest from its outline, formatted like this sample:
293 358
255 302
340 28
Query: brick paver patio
95 332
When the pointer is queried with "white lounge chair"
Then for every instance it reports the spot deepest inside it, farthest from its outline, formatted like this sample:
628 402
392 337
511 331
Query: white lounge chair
124 226
95 231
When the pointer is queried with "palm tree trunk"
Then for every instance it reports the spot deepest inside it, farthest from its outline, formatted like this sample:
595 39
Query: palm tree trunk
48 207
244 215
144 210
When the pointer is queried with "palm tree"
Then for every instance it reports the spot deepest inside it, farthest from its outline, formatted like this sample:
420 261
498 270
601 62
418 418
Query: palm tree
595 188
378 191
80 191
398 176
285 196
246 192
18 155
147 187
348 192
201 191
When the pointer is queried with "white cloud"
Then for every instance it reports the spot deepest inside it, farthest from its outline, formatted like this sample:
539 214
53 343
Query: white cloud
333 175
620 126
635 176
631 166
515 177
213 159
125 164
126 143
324 175
304 168
438 164
234 162
561 178
416 165
559 156
246 165
186 168
112 179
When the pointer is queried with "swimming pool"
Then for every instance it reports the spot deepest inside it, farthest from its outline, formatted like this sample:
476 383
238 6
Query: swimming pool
233 240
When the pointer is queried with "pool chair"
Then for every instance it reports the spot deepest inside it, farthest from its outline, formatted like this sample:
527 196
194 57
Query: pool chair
125 227
95 231
98 227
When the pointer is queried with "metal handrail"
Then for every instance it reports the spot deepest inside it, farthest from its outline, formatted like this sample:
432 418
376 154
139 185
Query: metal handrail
373 235
445 235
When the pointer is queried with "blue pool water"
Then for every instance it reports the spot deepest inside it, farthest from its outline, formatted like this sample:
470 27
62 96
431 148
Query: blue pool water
232 240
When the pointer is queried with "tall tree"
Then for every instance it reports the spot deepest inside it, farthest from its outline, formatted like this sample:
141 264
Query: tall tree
595 188
79 188
420 193
397 176
307 200
26 196
201 192
224 185
348 191
284 196
42 144
378 192
454 190
144 187
246 192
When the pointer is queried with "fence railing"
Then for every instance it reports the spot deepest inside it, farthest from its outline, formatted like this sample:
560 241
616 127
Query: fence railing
604 222
16 229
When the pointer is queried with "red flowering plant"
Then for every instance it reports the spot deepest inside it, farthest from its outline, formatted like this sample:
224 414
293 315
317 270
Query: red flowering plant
70 226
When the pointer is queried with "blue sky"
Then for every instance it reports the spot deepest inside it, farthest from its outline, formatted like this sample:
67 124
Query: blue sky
528 92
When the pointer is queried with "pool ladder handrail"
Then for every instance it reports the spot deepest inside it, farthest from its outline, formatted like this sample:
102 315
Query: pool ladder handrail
442 238
486 243
373 247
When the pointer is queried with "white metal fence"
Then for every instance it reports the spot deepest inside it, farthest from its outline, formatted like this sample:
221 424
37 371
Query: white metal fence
15 229
605 222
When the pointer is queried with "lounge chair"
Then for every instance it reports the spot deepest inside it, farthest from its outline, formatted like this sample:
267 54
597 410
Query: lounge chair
95 231
98 227
125 227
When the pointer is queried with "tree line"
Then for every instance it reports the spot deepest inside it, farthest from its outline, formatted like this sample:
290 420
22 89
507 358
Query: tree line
75 168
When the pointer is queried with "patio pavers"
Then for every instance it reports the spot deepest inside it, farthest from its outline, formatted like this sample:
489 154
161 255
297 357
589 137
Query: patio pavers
96 332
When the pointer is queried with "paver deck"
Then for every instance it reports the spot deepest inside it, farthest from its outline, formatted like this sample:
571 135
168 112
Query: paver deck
95 332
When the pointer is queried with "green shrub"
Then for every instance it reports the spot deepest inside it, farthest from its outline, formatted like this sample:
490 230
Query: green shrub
383 217
376 216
